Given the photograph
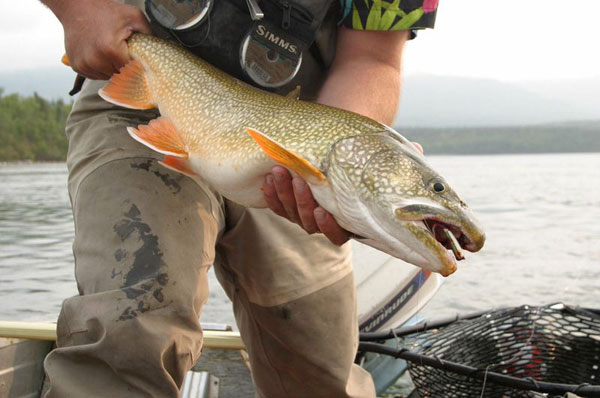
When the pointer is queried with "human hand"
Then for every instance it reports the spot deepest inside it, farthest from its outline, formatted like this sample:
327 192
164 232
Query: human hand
292 198
96 32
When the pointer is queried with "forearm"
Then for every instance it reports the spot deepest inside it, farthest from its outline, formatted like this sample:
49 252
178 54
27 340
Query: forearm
365 76
375 95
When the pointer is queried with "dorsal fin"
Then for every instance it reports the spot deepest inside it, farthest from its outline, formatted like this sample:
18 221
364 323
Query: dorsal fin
129 88
287 158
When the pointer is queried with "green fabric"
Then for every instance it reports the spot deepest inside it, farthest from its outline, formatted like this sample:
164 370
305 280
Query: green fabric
382 15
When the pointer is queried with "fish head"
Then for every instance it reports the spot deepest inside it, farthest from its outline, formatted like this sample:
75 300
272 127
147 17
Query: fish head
391 199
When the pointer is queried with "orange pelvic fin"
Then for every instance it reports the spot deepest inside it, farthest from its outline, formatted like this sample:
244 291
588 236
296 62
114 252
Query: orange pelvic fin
129 88
65 60
162 136
178 164
287 158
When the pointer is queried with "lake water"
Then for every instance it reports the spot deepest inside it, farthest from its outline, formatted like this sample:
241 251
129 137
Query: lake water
541 214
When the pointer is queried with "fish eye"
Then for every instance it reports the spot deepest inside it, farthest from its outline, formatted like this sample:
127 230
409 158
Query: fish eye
439 187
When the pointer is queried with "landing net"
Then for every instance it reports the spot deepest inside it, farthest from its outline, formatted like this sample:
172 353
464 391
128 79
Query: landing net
515 352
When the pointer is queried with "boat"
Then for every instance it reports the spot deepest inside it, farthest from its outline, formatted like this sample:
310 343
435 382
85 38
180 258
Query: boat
390 294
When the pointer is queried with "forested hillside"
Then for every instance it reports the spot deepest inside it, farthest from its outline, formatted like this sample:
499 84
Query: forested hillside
573 136
32 128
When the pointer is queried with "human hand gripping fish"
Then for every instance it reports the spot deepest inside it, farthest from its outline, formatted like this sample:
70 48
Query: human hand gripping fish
374 182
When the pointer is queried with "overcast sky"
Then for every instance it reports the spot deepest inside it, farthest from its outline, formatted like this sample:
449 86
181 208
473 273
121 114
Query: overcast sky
499 39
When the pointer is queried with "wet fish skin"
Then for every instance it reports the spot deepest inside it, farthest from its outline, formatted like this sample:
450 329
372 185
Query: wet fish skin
374 182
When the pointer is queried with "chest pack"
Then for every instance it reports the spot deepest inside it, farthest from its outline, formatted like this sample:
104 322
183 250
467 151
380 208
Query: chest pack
272 44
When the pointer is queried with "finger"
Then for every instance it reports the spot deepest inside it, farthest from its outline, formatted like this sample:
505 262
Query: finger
89 70
330 228
136 22
102 66
285 192
271 198
84 71
92 63
419 146
306 204
120 56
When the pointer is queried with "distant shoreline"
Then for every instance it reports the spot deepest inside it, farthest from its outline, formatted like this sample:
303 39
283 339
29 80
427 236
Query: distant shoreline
566 137
33 130
26 161
508 153
427 154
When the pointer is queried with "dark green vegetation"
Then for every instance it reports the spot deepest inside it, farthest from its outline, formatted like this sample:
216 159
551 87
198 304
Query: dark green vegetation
583 136
32 128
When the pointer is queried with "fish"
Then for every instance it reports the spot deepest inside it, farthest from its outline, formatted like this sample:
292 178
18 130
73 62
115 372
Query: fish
375 183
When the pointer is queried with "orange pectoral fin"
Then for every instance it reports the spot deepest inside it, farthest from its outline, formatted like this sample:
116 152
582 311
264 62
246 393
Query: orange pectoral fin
129 88
162 136
178 164
287 158
65 60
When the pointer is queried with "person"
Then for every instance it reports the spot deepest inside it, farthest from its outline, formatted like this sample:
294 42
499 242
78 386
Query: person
145 237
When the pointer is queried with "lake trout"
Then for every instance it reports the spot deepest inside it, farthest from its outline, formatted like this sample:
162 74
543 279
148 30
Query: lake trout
374 182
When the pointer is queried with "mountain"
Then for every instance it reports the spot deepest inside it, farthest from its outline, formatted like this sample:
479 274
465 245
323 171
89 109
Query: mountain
50 83
446 101
584 92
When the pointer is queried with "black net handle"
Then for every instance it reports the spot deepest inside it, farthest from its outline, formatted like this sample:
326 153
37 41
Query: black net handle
420 327
584 390
424 326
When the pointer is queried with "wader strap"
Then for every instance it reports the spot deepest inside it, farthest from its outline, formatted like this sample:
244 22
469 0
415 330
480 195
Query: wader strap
77 85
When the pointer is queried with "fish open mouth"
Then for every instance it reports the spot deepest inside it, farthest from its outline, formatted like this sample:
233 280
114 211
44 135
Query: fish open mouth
449 236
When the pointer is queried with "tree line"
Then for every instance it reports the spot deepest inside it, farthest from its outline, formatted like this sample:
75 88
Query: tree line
576 136
32 128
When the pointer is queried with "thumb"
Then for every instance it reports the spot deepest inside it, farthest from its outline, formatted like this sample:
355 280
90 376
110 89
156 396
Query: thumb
137 22
121 57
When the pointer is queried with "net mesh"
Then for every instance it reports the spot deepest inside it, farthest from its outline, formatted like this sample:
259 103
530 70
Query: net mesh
555 344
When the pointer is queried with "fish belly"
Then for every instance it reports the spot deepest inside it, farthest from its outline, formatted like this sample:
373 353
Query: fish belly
239 183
